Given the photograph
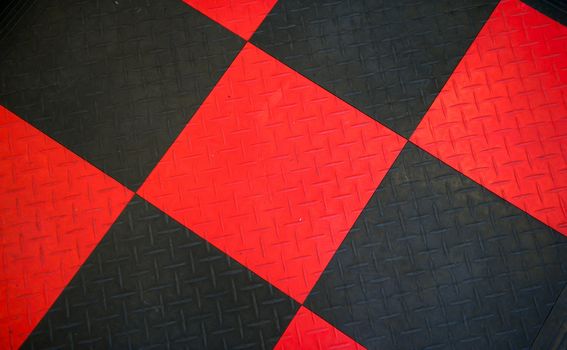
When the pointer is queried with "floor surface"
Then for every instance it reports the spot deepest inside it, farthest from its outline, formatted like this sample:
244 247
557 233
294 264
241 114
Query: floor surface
257 174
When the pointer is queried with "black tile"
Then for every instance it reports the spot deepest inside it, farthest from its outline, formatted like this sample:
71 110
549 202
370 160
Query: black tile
11 12
555 9
437 262
114 81
387 58
151 283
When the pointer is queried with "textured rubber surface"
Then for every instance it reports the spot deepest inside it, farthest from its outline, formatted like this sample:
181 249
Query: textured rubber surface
388 59
436 261
502 117
114 81
55 209
11 12
273 170
241 17
152 283
309 331
279 202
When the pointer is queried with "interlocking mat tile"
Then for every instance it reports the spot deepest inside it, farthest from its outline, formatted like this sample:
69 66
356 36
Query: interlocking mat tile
273 170
437 262
309 331
387 58
502 117
151 283
292 174
114 81
55 208
240 16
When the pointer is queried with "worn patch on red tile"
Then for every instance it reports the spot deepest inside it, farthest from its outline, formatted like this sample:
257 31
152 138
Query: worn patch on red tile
309 331
54 209
273 170
501 119
240 16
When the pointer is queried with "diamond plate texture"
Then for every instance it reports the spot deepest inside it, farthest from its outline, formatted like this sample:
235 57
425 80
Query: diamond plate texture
240 16
309 331
273 170
269 190
114 81
54 209
435 261
389 59
151 283
502 117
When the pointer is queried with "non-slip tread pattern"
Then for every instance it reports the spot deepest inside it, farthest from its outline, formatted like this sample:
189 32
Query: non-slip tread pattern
436 261
388 59
151 283
115 81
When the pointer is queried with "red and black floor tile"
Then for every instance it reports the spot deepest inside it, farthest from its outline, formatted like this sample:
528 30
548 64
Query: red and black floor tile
436 261
115 81
258 174
389 59
152 282
273 170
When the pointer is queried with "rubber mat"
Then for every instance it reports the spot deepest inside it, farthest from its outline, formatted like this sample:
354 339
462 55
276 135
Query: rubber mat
283 174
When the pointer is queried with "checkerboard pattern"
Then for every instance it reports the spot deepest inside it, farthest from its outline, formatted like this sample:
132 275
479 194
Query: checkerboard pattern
258 174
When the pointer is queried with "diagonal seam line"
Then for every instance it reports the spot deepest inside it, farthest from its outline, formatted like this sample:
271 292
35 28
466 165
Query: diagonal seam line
323 88
203 237
219 250
563 291
316 314
422 121
555 4
131 195
486 188
230 30
348 103
190 118
69 150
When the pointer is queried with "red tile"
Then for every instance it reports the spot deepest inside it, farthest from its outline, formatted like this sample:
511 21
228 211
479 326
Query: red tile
54 209
309 331
273 170
501 119
240 16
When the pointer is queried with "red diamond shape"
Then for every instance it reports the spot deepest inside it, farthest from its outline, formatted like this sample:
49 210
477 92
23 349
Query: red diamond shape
309 331
273 170
501 119
54 209
242 16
